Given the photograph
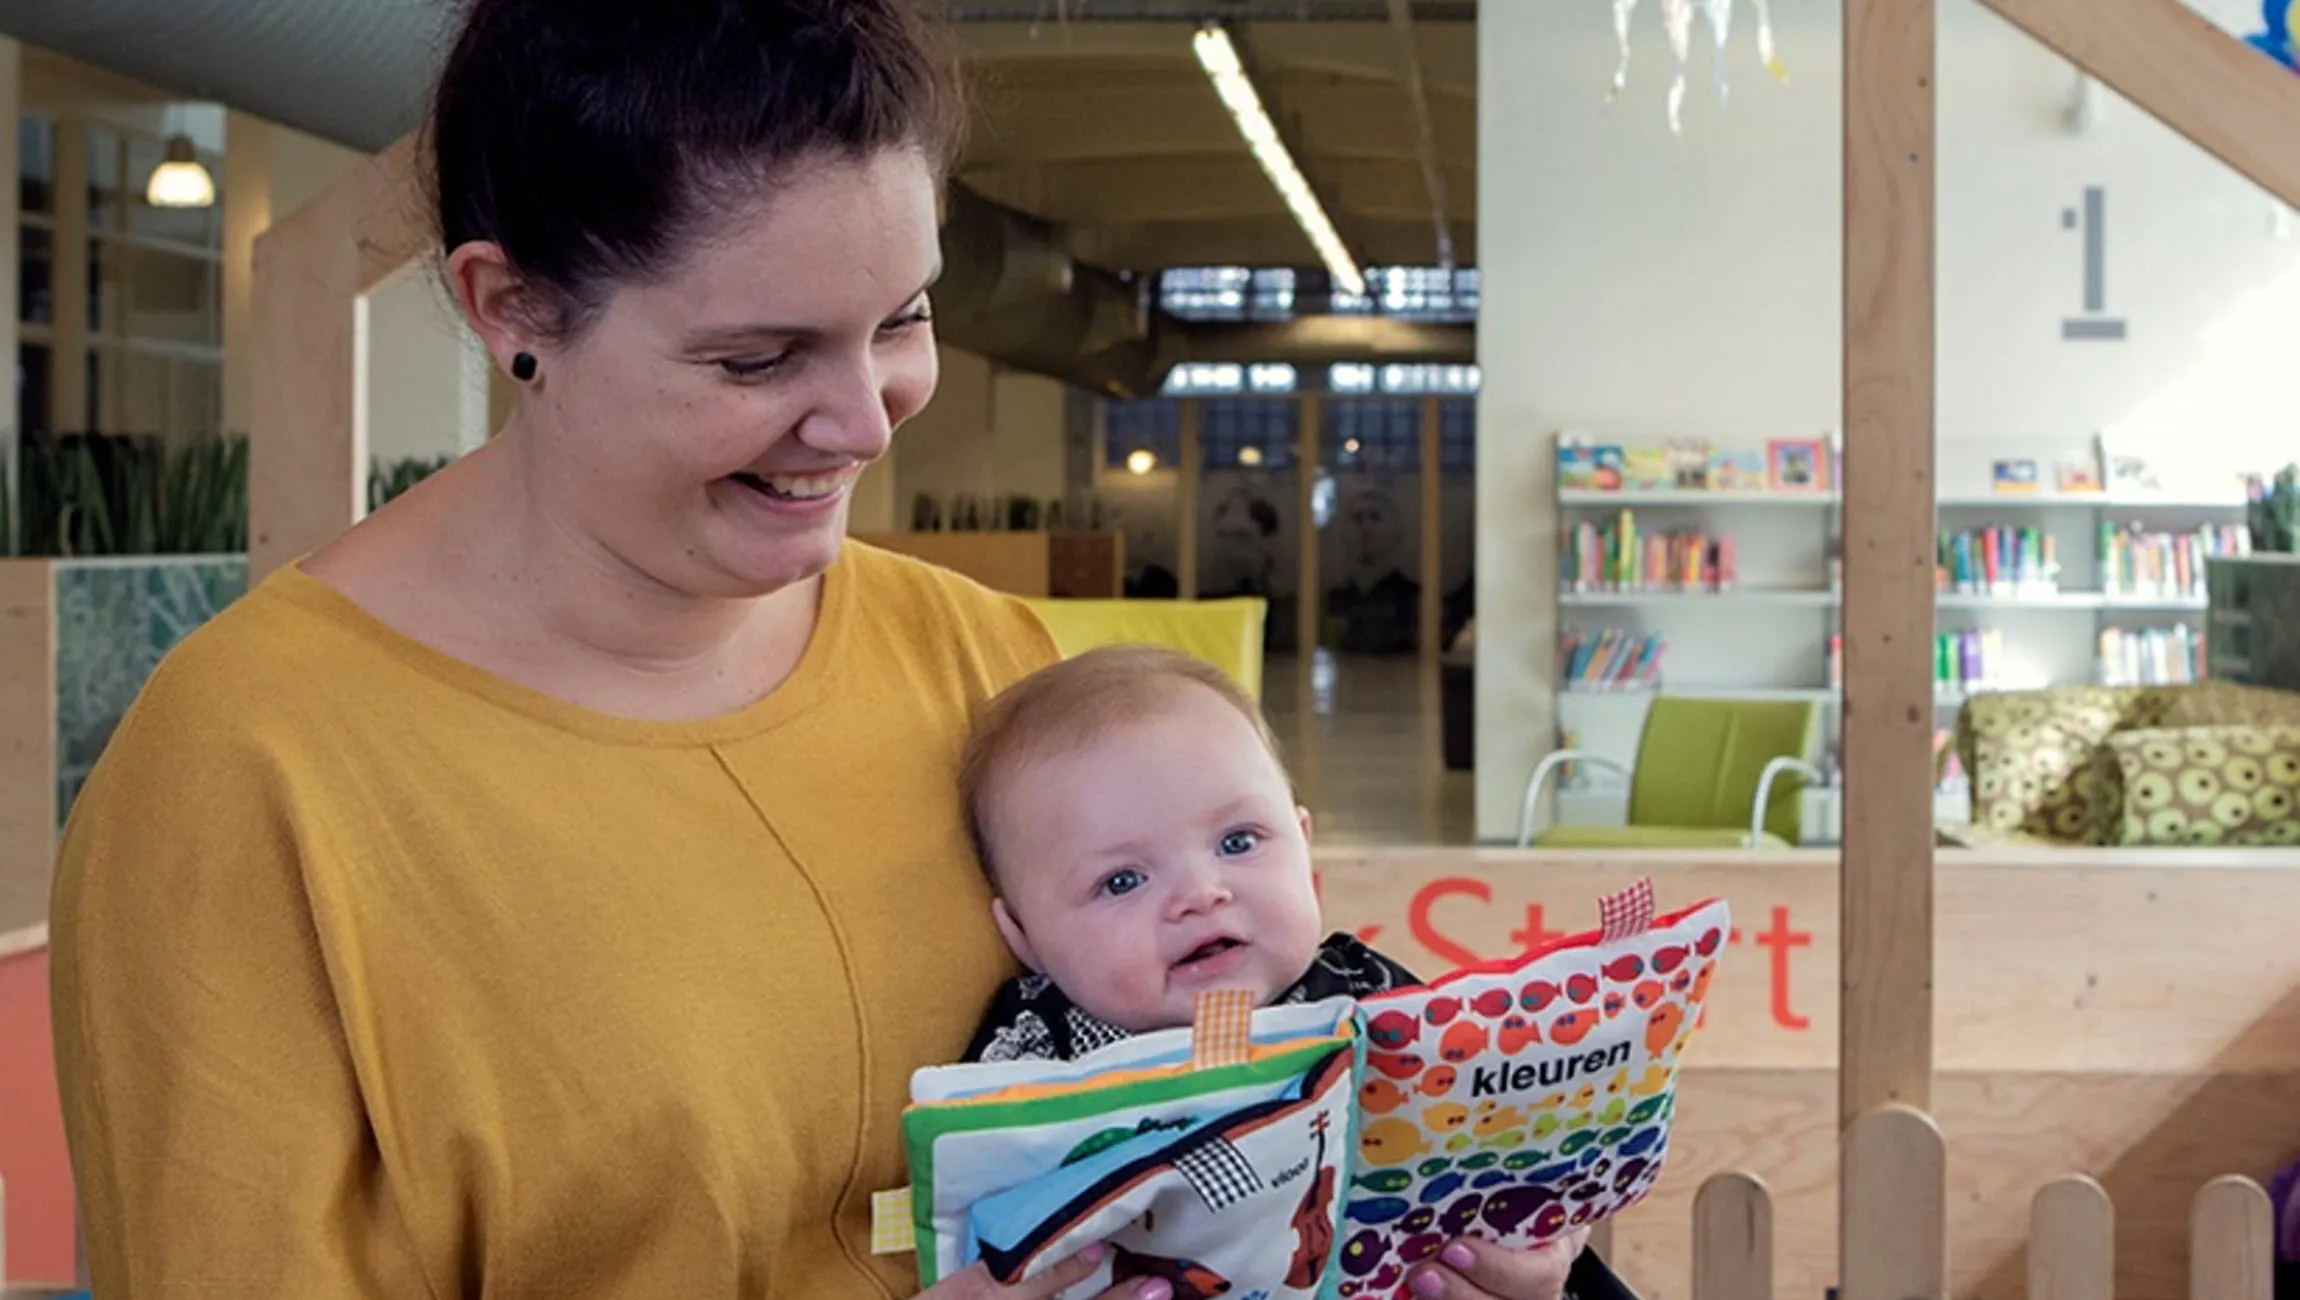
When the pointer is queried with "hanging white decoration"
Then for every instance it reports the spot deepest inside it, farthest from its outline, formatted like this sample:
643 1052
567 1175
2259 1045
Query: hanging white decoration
1677 18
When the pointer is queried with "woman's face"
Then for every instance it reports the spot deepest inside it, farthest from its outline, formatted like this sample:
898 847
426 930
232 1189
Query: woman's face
707 429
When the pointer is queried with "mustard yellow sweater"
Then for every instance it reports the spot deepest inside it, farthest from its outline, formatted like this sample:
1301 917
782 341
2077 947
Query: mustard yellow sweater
379 976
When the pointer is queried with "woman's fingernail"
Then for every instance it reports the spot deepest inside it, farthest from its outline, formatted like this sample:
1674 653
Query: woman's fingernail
1093 1254
1428 1286
1458 1256
1156 1288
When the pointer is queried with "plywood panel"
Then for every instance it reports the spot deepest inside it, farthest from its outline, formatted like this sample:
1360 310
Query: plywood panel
306 451
2060 964
1016 563
27 741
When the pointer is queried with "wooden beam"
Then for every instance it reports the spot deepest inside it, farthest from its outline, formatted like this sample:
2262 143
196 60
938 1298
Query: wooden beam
1433 529
1887 903
307 445
1307 602
1190 468
2231 100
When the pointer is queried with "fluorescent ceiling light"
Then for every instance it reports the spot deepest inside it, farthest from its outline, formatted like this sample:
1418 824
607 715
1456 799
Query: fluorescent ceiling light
1220 60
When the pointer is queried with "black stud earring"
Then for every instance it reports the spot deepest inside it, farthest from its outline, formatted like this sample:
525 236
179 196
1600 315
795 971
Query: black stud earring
523 366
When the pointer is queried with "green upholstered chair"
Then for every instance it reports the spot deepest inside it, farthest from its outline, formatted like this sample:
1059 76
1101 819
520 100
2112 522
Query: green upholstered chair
1710 773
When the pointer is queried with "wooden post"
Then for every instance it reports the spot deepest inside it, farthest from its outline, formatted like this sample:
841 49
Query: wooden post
2232 1242
1887 902
1893 1208
1733 1239
1190 465
1307 605
2072 1241
28 755
307 444
1433 529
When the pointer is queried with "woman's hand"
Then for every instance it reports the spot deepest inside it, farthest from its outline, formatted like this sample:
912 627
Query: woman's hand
975 1283
1478 1270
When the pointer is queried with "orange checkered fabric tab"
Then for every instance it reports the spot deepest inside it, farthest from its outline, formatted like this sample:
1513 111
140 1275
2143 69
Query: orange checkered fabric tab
1222 1028
1626 914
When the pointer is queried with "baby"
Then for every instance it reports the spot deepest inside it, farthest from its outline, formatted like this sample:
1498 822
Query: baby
1143 845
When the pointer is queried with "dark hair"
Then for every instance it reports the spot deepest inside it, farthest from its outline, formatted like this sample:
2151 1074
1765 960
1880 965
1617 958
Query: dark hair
595 139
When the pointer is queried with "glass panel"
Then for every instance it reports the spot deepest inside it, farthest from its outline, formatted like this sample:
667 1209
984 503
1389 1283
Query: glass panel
35 304
105 289
103 180
36 164
196 398
1243 433
92 417
1143 436
134 393
32 381
169 297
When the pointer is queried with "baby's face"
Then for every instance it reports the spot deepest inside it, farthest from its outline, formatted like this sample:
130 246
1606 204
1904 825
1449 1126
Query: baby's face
1155 862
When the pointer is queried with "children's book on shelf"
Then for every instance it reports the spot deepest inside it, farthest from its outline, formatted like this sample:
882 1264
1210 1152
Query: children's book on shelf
2016 476
2135 562
1616 555
2078 474
1611 660
1321 1150
2151 656
1588 467
1798 465
1689 461
1969 660
1998 560
1737 469
1647 469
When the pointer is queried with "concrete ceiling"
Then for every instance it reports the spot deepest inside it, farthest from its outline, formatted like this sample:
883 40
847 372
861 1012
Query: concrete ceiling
1092 124
1091 114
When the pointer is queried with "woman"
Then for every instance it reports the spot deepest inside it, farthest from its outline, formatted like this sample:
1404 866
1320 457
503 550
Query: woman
547 888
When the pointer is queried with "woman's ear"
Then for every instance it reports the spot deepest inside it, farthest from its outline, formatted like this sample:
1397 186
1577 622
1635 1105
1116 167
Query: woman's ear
499 309
1017 942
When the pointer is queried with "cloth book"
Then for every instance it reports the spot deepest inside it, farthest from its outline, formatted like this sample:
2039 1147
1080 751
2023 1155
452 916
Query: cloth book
1322 1150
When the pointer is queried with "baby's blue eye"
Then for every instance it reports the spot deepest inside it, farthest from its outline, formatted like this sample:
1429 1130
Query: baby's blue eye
1124 882
1239 842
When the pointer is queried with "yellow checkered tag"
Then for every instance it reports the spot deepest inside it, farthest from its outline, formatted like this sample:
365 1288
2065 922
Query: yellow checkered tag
891 1229
1222 1030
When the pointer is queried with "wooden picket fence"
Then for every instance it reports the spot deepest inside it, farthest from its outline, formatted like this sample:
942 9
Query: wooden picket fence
1895 1203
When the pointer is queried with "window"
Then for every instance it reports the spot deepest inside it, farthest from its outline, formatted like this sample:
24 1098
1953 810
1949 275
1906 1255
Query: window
150 341
1245 433
1142 436
1228 292
1381 434
1457 435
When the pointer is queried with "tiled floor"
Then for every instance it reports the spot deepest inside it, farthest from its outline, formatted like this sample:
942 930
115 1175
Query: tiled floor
1362 736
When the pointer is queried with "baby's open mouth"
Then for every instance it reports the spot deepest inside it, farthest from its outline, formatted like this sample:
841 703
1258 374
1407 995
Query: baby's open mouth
1207 951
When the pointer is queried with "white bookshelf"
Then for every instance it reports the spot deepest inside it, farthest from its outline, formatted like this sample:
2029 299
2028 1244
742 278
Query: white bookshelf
1767 635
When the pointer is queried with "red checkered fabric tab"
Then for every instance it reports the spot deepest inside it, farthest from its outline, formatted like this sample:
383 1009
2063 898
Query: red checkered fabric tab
1222 1028
1626 914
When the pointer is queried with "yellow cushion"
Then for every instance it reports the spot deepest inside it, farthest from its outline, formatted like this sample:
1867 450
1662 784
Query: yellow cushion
2209 785
1226 633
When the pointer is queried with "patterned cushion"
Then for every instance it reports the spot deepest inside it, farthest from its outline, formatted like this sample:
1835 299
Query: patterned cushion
2208 785
2030 756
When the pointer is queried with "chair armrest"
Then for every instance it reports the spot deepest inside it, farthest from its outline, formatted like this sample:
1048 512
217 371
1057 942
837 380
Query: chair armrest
1813 776
1550 763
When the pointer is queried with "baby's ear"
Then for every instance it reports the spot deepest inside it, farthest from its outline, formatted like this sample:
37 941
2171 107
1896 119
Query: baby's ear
1016 941
1303 816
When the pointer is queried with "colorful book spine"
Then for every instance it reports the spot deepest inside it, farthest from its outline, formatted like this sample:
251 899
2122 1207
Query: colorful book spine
1619 555
1998 560
2151 656
1613 659
2160 565
1969 660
